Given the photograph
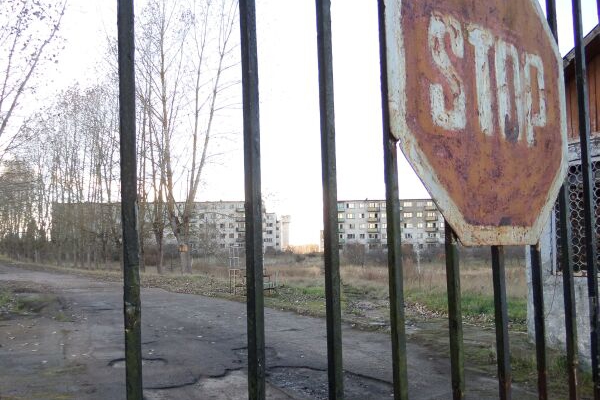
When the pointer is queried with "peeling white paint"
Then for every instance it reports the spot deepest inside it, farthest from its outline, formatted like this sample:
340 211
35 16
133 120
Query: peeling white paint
456 117
482 40
504 52
534 119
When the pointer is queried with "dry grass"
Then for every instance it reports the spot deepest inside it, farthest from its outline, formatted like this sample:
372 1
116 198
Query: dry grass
476 275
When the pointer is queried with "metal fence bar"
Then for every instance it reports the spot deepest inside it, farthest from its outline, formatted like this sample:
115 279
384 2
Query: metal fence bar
253 204
131 263
588 195
568 293
566 261
457 357
539 320
395 271
330 221
501 321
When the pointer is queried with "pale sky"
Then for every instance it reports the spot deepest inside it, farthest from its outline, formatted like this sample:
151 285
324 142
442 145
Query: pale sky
290 135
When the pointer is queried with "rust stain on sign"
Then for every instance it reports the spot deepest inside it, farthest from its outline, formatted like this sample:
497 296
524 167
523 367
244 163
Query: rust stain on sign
477 102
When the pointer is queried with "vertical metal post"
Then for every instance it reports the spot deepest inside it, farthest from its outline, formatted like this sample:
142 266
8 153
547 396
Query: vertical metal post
457 359
588 194
253 204
131 273
538 315
568 292
501 321
330 221
396 288
566 261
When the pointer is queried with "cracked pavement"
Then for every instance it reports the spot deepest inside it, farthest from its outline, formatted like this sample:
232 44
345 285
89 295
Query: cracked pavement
194 347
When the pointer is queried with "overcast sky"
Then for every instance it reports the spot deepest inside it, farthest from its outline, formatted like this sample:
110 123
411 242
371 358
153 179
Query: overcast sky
290 133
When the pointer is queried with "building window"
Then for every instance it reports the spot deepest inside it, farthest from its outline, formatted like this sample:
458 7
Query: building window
408 225
429 203
363 226
431 214
373 215
231 235
372 204
420 225
341 236
408 236
349 205
408 215
419 204
419 215
383 205
430 225
362 235
341 226
361 205
350 236
383 226
221 226
361 215
408 204
350 216
351 226
340 215
432 235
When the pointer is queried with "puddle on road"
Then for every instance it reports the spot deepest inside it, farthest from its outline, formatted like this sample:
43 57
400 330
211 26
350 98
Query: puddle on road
146 362
232 386
312 384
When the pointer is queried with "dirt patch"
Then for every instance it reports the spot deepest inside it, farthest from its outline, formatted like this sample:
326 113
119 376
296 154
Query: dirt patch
22 299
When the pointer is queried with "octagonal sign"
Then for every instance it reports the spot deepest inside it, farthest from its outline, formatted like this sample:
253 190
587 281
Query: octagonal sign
476 100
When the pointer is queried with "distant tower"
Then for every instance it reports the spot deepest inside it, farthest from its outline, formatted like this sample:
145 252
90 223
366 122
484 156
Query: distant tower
285 231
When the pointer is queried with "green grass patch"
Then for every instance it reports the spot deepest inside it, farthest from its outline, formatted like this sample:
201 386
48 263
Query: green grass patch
5 297
312 291
474 305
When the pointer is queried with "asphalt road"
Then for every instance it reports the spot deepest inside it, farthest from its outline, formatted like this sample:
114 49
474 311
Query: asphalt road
194 347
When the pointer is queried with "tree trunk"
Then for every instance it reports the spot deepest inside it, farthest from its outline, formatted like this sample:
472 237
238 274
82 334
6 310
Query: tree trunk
142 256
186 262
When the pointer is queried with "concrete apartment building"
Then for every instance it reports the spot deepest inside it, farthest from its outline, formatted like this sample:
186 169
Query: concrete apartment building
221 225
216 226
365 222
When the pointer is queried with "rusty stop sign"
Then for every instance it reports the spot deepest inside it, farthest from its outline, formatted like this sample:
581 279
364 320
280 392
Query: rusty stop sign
476 99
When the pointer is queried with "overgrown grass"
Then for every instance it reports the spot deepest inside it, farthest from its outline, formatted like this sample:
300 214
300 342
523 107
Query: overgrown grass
474 305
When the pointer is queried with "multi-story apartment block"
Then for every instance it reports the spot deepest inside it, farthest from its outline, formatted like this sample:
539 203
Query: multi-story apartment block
215 226
365 222
220 225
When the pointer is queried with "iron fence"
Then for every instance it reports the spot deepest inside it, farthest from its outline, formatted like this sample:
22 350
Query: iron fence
577 198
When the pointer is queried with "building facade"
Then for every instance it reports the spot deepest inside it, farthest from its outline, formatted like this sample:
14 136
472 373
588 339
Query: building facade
550 241
215 226
365 222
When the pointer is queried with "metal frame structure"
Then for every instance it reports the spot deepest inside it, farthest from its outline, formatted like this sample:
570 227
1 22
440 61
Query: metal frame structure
254 254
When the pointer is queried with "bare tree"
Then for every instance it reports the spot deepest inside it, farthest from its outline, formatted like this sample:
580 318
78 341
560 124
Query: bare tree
27 28
186 74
